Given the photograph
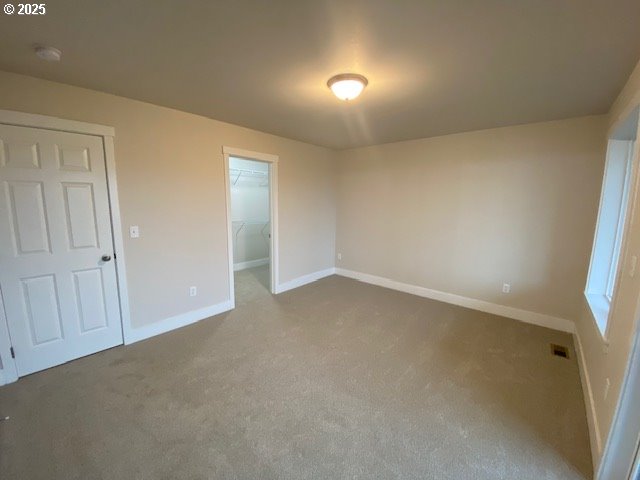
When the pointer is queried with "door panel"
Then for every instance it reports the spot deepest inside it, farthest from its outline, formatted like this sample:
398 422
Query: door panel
42 310
61 299
90 296
73 158
81 221
20 154
30 232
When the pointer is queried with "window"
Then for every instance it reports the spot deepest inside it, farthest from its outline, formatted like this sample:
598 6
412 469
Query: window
607 247
621 197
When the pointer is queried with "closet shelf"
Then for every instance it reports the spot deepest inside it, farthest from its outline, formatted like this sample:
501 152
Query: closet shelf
239 172
244 223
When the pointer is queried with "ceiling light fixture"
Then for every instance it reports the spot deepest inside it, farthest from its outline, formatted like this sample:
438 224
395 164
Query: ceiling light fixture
347 86
49 54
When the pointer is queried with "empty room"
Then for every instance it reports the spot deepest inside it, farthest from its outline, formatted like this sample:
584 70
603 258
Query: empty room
323 239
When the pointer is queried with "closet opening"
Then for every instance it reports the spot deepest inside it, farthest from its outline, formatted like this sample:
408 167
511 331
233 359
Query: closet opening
250 211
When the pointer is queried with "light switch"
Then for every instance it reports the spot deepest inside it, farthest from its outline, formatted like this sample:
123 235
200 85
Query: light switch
632 265
134 231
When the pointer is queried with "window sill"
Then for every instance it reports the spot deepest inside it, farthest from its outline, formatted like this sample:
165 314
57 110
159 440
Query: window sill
599 305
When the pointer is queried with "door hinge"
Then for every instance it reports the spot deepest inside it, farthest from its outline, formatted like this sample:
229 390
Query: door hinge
13 353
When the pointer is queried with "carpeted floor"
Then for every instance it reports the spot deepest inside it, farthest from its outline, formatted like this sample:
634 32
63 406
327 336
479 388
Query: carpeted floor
334 380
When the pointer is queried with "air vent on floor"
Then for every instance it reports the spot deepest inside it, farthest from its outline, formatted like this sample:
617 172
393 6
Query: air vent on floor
559 351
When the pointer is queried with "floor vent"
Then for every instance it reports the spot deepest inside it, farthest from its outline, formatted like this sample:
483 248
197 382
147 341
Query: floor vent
559 351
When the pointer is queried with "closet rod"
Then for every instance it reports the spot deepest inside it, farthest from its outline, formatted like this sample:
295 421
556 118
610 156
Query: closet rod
244 171
244 223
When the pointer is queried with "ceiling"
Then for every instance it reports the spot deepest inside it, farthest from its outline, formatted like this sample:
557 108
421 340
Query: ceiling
434 67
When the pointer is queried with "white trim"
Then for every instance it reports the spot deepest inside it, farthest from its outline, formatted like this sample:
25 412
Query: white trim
29 120
177 321
621 447
250 264
227 188
599 309
526 316
274 248
249 154
274 252
118 237
304 280
614 269
21 119
601 316
594 243
595 438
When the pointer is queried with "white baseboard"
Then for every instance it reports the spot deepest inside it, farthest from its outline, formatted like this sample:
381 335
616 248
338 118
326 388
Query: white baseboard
137 334
543 320
595 439
527 316
171 323
303 280
250 264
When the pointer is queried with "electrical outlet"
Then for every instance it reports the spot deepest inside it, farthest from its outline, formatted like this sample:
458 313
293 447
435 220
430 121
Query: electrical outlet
607 385
506 288
193 291
134 231
339 256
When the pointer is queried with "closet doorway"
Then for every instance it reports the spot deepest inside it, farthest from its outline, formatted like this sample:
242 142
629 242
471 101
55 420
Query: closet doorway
251 179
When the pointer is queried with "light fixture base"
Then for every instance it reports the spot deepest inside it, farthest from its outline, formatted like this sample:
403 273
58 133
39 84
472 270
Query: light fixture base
347 86
50 54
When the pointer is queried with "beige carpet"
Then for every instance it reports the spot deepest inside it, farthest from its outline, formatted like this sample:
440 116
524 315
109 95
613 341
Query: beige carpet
334 380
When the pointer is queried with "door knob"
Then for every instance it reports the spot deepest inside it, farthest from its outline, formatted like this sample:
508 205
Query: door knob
106 258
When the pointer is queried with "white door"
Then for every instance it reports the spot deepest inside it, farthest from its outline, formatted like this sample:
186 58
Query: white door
57 273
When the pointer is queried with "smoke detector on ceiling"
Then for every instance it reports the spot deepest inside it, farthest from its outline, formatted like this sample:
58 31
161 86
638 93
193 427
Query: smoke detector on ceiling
49 54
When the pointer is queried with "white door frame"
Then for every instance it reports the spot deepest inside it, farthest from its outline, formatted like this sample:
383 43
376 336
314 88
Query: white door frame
621 450
9 372
272 160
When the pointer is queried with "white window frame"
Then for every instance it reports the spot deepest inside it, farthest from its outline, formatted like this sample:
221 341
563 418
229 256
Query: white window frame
607 256
617 242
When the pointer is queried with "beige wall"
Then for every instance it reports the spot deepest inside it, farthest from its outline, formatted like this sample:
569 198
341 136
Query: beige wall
460 213
604 361
170 181
465 213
